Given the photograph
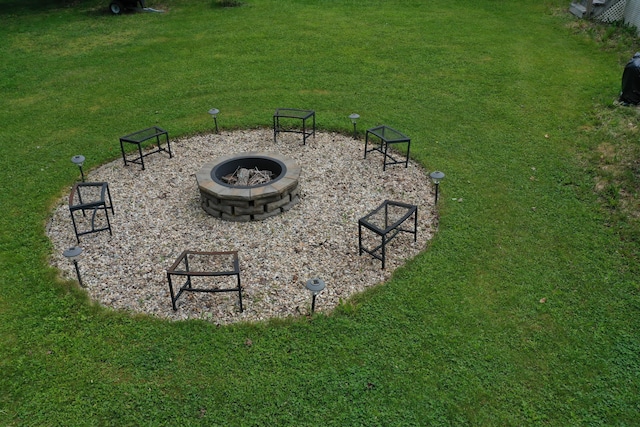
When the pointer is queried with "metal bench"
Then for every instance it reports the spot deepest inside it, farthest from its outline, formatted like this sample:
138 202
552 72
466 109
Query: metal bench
386 222
96 198
388 136
141 136
201 265
294 114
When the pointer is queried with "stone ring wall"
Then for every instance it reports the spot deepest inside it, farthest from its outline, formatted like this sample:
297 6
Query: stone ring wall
249 203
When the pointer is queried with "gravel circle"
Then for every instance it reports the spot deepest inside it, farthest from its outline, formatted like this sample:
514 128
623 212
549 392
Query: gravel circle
158 215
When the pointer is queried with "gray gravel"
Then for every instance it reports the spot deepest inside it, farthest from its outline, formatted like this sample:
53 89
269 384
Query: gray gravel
158 215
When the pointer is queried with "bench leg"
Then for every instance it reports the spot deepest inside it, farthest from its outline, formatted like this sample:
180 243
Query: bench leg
240 293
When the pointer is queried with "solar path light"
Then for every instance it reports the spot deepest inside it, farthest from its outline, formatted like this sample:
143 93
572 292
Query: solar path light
214 113
436 177
354 119
79 160
315 286
72 255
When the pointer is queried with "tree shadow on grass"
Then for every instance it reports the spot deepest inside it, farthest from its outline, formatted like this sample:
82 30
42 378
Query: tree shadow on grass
26 6
90 7
227 3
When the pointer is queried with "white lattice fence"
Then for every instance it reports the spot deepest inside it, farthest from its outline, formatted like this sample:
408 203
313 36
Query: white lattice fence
614 13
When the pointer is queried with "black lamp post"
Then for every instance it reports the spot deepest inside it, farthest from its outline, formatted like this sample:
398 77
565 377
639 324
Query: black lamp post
436 177
214 113
315 286
79 160
354 119
72 255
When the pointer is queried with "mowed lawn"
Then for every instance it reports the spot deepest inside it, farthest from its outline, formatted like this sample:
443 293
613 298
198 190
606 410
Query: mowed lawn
523 310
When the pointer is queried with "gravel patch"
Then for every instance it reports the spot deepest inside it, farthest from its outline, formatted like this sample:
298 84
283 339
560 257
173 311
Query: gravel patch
158 215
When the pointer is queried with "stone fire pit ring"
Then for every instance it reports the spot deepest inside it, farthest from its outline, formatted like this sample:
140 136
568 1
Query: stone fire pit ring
249 203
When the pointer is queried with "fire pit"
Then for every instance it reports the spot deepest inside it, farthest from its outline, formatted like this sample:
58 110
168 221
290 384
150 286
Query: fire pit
222 197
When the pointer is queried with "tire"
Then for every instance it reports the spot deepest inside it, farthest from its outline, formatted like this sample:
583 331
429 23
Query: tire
116 7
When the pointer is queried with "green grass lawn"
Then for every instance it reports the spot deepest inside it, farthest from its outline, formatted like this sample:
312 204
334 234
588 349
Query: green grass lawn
524 309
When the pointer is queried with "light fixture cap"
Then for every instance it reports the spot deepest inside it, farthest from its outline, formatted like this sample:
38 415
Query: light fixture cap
78 159
72 253
214 112
436 176
315 285
354 117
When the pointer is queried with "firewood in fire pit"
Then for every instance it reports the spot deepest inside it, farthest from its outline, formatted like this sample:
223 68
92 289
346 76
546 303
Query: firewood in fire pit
248 177
243 175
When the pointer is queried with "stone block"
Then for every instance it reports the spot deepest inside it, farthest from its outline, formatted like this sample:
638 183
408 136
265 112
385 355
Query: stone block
222 208
212 212
209 198
277 204
248 211
238 203
260 217
294 192
294 201
237 218
267 199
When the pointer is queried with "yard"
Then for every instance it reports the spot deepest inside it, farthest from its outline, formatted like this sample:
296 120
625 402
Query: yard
524 307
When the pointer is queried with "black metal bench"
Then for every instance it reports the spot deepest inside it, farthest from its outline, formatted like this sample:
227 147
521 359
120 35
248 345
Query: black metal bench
294 114
388 136
386 222
96 198
141 136
203 265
